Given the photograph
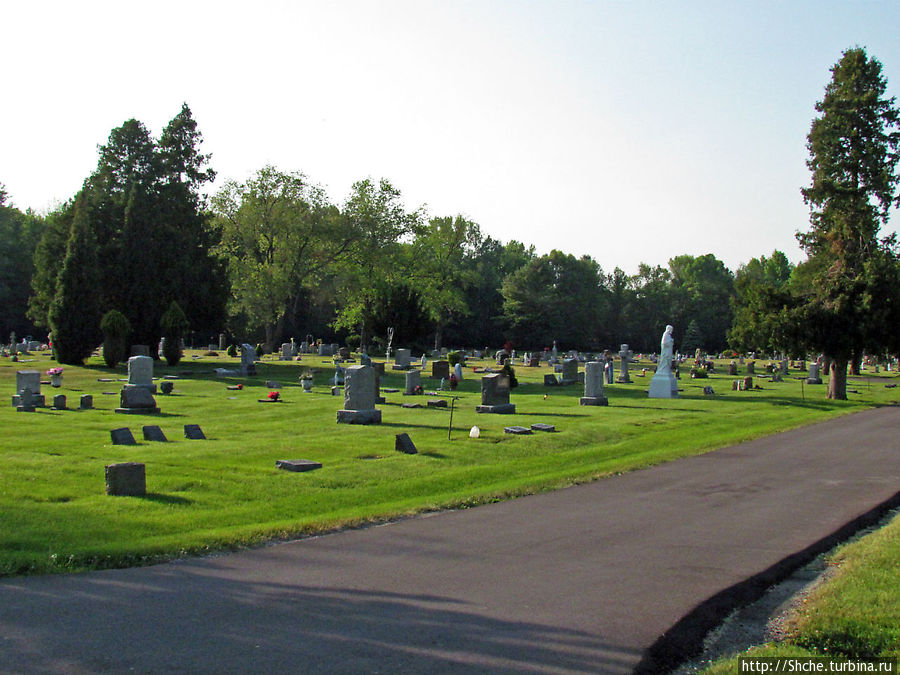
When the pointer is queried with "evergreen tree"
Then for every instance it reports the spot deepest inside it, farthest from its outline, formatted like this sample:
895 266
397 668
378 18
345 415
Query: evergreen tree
74 314
116 337
854 147
174 324
693 338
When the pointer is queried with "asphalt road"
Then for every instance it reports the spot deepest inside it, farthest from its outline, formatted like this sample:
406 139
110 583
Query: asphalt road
621 575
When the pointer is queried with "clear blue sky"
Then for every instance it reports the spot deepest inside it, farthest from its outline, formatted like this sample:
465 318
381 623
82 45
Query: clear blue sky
628 131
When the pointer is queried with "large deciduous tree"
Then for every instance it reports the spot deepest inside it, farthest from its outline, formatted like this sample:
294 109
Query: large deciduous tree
853 153
278 234
379 222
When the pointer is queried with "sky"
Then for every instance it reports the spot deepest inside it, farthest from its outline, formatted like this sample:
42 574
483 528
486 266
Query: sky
631 132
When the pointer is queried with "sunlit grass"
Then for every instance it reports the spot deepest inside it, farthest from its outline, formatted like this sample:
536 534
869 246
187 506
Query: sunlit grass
226 492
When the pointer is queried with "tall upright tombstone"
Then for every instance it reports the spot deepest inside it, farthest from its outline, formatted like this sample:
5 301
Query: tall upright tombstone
359 397
413 383
140 373
402 359
248 359
495 395
593 384
626 356
569 371
813 375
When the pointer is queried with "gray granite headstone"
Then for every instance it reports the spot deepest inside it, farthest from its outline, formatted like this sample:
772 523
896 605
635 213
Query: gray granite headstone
569 371
136 400
59 402
359 397
440 370
297 464
519 431
122 436
402 358
495 395
413 380
86 402
140 372
593 384
127 479
540 426
248 359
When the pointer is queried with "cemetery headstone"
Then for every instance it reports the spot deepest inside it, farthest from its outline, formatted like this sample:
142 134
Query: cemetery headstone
751 367
569 371
550 380
248 359
136 400
59 402
627 356
457 370
495 395
193 432
222 342
413 383
732 368
540 426
86 402
153 433
126 479
140 373
122 436
519 431
402 359
359 397
593 384
298 465
166 387
748 383
286 351
403 443
30 380
813 374
440 370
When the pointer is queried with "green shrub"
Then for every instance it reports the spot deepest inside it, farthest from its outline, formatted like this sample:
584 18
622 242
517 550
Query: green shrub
232 351
699 373
116 333
174 324
352 341
453 358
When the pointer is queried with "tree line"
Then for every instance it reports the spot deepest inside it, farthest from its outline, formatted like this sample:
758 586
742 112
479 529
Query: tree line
272 257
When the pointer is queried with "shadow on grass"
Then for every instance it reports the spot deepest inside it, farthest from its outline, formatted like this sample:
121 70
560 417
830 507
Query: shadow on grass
160 498
400 425
436 455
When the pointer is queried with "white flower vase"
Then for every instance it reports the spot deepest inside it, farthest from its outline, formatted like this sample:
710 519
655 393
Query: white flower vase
307 385
56 380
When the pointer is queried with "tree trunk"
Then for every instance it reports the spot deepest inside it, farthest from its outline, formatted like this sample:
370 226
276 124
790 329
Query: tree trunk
837 380
855 364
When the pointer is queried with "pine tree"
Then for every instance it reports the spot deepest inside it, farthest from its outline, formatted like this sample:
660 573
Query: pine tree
116 333
174 324
74 314
854 147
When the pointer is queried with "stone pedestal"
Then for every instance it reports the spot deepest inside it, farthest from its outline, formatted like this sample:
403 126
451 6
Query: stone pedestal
663 385
136 400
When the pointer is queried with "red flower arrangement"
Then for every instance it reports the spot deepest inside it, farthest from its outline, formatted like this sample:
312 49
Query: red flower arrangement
273 395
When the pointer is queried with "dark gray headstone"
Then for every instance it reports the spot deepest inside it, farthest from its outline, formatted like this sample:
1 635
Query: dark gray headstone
297 464
410 405
154 433
403 443
127 479
550 380
440 370
122 436
136 400
194 432
540 426
59 402
437 403
516 430
87 402
166 387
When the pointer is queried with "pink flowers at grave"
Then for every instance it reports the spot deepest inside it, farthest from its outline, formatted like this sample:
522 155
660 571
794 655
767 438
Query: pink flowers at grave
55 371
273 395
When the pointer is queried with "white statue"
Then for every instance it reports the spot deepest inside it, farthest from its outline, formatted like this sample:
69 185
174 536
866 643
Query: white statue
666 346
664 384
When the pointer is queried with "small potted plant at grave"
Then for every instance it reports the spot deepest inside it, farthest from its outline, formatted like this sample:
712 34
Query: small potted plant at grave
55 376
306 381
273 396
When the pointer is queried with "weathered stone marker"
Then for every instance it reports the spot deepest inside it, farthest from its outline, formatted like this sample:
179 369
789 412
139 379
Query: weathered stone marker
193 432
127 479
297 464
403 443
154 433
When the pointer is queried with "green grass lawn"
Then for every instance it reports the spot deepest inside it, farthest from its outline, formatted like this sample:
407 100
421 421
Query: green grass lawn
226 492
854 614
